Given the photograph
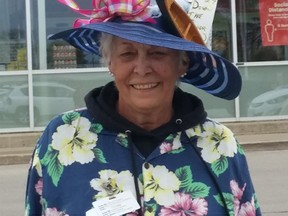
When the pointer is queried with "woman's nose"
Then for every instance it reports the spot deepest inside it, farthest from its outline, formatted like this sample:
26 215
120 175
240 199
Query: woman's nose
143 65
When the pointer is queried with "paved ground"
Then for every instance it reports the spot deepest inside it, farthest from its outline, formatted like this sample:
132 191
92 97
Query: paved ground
12 189
269 170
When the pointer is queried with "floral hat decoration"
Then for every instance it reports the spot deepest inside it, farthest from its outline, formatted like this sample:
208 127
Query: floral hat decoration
161 23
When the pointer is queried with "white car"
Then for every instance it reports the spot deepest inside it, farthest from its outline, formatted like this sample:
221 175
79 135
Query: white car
4 90
274 102
49 99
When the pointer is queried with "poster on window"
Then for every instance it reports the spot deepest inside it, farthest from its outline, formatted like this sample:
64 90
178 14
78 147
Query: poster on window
274 22
202 13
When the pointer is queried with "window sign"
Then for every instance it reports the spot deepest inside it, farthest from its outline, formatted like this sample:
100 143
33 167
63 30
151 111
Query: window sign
202 13
274 22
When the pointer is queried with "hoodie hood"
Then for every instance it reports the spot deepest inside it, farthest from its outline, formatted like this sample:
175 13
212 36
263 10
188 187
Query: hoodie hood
101 103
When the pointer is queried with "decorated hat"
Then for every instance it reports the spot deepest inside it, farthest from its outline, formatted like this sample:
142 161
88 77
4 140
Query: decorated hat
158 23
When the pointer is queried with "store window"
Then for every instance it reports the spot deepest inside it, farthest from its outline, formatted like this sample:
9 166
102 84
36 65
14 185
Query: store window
58 93
13 48
14 101
60 55
50 18
265 91
250 44
222 32
264 71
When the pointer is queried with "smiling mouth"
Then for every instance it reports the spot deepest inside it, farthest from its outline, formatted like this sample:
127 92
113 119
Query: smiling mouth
145 86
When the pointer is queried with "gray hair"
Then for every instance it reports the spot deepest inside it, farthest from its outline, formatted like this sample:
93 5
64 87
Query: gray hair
105 47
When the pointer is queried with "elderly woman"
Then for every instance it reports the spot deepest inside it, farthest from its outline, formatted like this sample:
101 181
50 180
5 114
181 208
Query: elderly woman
143 146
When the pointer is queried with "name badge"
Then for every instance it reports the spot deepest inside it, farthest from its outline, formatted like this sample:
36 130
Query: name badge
115 205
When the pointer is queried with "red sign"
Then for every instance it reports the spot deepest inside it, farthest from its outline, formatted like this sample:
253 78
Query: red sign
274 22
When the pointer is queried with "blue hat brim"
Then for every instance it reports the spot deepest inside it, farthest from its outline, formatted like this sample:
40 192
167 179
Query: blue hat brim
208 71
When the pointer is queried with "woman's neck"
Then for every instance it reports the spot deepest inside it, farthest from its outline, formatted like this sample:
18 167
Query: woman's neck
147 119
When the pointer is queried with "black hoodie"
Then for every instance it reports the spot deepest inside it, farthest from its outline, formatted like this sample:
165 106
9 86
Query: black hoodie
188 112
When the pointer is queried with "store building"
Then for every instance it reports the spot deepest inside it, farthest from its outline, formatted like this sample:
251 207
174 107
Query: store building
41 78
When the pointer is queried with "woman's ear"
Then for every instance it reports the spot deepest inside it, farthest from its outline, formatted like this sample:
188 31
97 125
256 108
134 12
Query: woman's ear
185 60
184 64
108 64
110 69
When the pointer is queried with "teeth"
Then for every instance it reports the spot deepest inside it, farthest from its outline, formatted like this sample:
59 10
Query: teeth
145 86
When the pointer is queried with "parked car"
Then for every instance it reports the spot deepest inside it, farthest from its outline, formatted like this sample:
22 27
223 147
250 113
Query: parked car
49 99
274 102
4 90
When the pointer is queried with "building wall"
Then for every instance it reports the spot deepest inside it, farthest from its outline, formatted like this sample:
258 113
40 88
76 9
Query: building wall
41 78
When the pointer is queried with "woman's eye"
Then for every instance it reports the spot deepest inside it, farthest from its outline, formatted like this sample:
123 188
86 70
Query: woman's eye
126 54
158 53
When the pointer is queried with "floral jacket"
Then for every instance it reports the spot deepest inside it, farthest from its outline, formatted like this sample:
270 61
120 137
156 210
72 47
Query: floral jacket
198 170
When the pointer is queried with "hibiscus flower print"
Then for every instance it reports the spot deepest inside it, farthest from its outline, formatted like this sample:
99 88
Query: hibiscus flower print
234 201
216 140
169 146
54 212
39 186
36 162
75 142
185 205
245 209
157 186
166 147
110 182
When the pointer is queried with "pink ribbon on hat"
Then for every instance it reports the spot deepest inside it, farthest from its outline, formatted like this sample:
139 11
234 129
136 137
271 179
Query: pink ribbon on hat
104 10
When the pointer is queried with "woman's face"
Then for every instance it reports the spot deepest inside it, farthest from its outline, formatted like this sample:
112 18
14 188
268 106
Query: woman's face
145 76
